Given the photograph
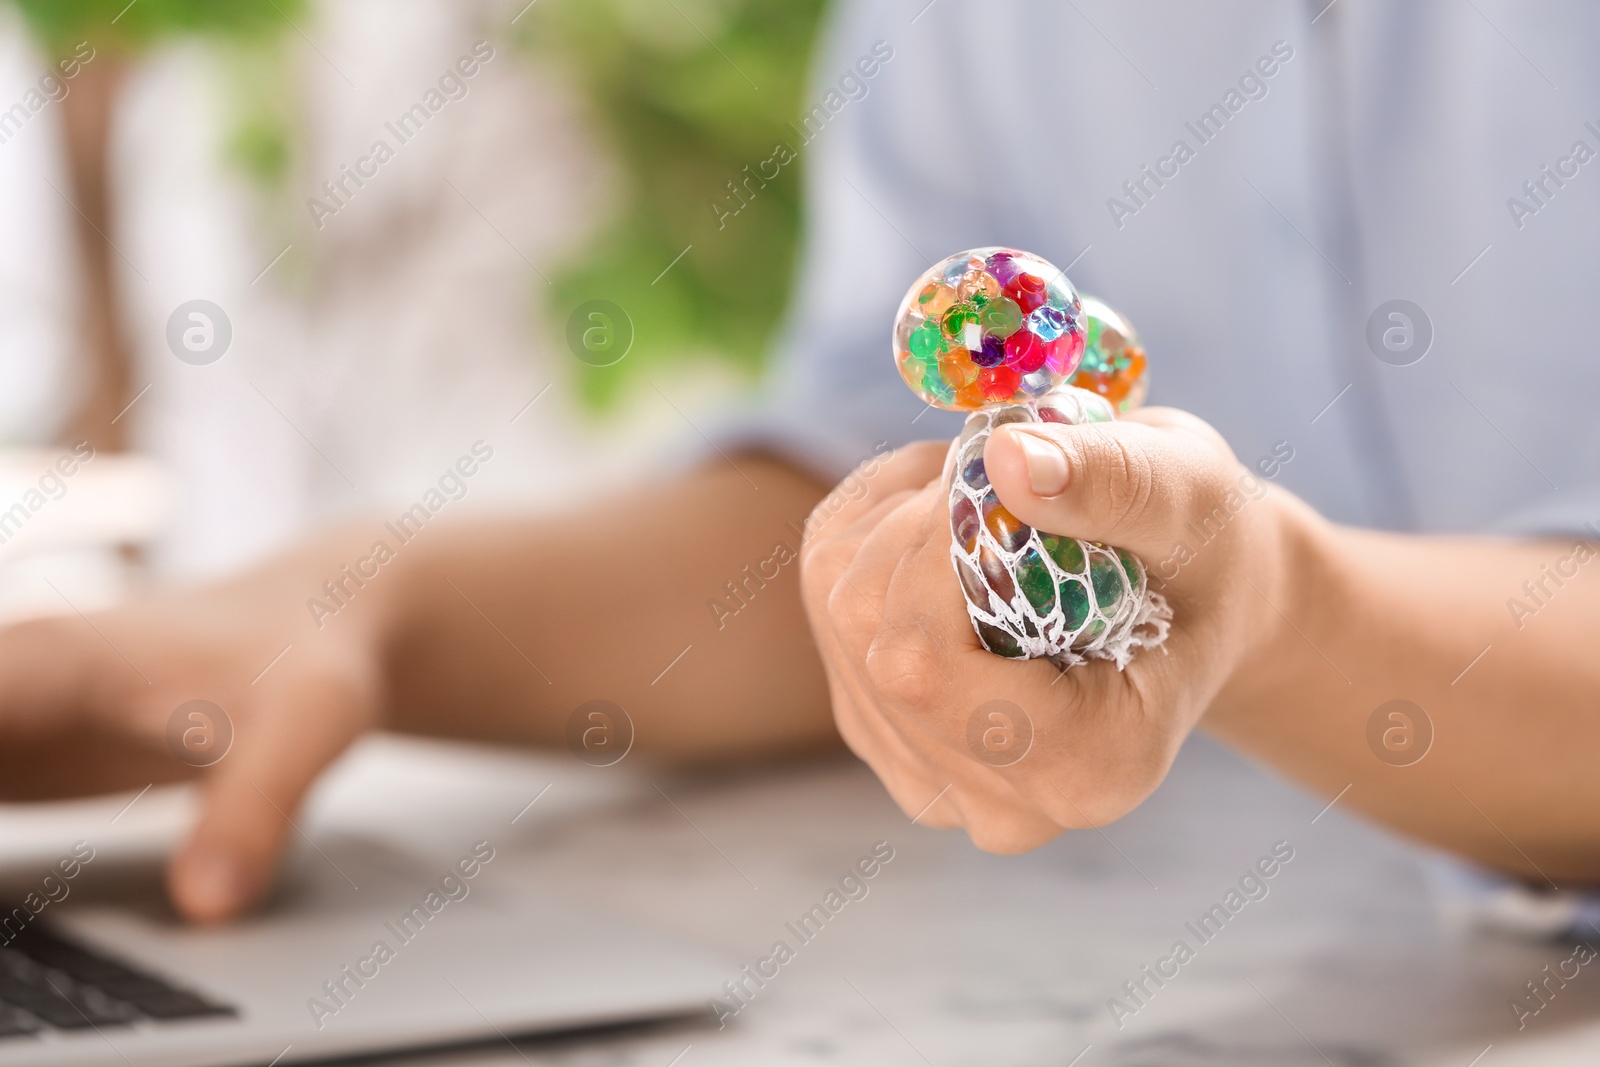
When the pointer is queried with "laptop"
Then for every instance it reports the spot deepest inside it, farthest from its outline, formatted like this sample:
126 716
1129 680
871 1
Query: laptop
364 947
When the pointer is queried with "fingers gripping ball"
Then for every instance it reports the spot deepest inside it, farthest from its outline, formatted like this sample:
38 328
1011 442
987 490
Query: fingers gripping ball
1030 594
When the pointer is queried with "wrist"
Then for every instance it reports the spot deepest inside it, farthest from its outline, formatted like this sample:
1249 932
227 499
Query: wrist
340 596
1278 651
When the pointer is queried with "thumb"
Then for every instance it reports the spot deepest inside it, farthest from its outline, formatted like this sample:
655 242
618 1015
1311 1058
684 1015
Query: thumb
252 795
1134 483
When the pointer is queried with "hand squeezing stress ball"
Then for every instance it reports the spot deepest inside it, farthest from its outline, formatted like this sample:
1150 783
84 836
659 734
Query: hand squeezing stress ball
1045 505
1002 334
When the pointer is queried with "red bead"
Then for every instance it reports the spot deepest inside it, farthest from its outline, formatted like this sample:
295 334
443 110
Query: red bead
999 383
1065 353
1025 353
1028 290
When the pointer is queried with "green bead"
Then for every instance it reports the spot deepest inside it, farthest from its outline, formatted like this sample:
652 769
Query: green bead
1074 603
1131 567
1107 580
1002 317
956 318
1037 585
1066 551
925 342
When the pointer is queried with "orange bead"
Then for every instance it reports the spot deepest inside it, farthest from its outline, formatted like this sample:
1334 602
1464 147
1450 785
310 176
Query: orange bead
935 299
1011 532
970 397
958 369
979 281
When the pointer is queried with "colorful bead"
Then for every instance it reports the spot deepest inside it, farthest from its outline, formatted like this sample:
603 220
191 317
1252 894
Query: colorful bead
1066 353
979 286
964 524
995 574
993 352
958 368
1002 318
956 318
935 299
1007 530
972 585
1027 290
1106 577
1037 585
925 341
1066 551
1025 353
1075 602
974 474
1048 322
999 642
1003 265
1113 363
1039 382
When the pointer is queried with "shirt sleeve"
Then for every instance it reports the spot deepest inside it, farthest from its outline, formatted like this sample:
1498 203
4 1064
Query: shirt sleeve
883 203
1567 512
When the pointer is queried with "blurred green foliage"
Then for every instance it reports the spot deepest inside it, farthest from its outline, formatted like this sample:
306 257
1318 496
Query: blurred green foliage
248 32
259 82
118 24
687 94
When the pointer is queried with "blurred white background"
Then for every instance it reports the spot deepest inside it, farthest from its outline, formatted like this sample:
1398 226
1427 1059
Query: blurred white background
375 350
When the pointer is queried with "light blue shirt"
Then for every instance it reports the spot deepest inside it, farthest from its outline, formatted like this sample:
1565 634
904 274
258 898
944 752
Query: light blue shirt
1252 184
1427 151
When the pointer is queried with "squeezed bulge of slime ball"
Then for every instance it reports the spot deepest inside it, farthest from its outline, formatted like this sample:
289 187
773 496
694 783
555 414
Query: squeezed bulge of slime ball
1002 334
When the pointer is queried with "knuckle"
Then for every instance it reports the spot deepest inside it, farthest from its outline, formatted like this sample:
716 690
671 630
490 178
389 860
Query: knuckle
898 672
822 562
848 608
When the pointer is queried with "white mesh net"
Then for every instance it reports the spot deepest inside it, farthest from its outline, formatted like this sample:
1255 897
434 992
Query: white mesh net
1036 595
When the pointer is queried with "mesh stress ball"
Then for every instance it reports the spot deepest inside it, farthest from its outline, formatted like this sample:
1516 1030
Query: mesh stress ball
1002 334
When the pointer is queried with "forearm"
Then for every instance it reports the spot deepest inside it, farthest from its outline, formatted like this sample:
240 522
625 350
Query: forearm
1369 618
500 629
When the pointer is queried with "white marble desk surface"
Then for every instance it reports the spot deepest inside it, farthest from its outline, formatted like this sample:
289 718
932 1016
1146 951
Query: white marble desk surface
957 958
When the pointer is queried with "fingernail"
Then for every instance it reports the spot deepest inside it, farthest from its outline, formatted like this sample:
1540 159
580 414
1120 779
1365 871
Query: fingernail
1047 465
213 885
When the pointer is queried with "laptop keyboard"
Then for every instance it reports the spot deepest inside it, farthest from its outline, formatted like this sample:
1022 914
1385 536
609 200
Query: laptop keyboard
48 982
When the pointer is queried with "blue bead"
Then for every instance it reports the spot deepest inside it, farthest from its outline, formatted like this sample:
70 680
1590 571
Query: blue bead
1047 322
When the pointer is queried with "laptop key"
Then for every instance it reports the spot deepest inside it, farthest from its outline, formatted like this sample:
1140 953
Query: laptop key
66 986
67 1014
133 988
178 1006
